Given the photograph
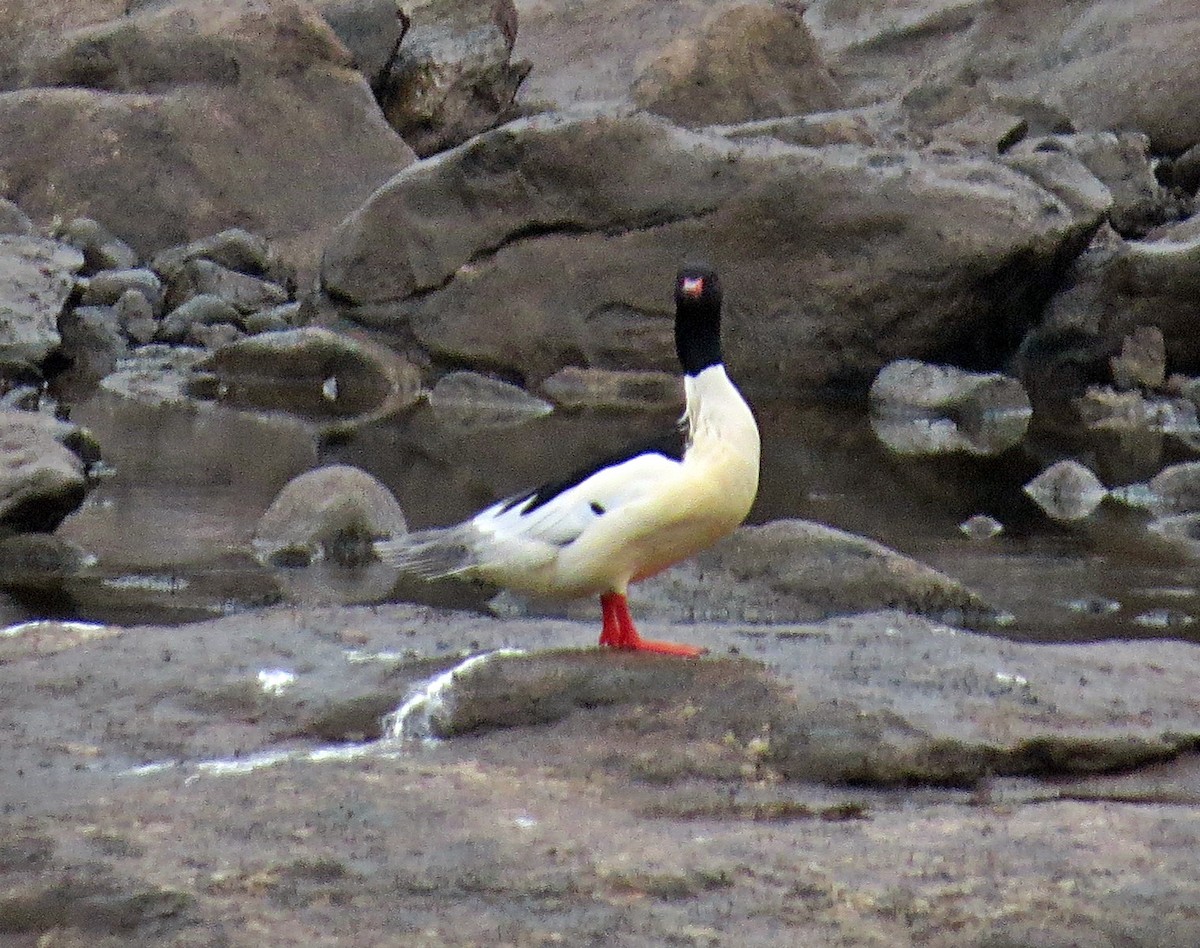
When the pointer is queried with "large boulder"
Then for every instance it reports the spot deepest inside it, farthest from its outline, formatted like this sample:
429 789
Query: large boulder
553 240
1097 66
192 116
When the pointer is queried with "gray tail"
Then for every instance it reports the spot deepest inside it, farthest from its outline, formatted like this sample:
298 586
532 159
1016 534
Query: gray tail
429 554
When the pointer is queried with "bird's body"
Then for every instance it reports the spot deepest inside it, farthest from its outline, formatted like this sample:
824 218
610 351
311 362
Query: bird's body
628 518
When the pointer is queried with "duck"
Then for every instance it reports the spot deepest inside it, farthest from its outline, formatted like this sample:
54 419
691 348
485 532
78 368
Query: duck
632 514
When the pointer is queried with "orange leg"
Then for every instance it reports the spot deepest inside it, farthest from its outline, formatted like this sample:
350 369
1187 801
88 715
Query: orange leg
620 632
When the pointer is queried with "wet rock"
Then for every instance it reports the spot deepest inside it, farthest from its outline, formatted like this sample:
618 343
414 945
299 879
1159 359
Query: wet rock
575 388
917 408
92 339
13 220
1143 360
108 286
41 480
36 278
453 77
505 215
204 309
101 248
1176 489
314 373
748 62
1104 408
199 277
468 400
336 511
154 375
173 69
1067 491
38 561
796 571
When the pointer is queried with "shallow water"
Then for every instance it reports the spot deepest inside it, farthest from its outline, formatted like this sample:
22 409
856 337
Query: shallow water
169 529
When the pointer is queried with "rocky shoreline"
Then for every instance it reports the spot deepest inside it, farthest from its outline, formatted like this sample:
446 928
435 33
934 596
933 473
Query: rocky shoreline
974 221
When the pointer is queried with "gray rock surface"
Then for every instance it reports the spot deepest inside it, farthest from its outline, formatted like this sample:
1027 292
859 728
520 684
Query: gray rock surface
797 571
36 277
41 479
621 797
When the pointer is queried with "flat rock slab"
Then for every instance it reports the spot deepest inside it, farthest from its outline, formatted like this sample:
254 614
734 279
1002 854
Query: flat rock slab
585 796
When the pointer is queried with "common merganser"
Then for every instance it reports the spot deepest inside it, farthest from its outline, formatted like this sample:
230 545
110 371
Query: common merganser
632 515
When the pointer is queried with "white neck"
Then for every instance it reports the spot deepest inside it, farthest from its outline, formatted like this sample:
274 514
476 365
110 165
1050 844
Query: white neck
717 416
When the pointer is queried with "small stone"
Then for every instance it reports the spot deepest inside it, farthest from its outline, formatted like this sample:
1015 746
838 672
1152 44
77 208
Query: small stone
981 527
108 286
102 250
234 249
204 277
1066 491
1176 489
1143 360
136 317
13 220
212 337
274 319
202 310
92 339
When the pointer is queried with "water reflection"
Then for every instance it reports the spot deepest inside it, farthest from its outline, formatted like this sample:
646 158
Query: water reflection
190 485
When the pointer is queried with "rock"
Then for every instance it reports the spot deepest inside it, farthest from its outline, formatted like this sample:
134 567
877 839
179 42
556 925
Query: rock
981 527
368 28
212 336
38 561
36 278
1121 161
314 373
574 388
244 293
234 249
439 250
918 408
336 511
102 249
866 126
748 62
108 286
1103 408
1176 489
191 89
796 571
136 317
1143 360
1067 491
275 319
204 309
154 375
13 220
41 480
1101 66
453 77
92 339
470 401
